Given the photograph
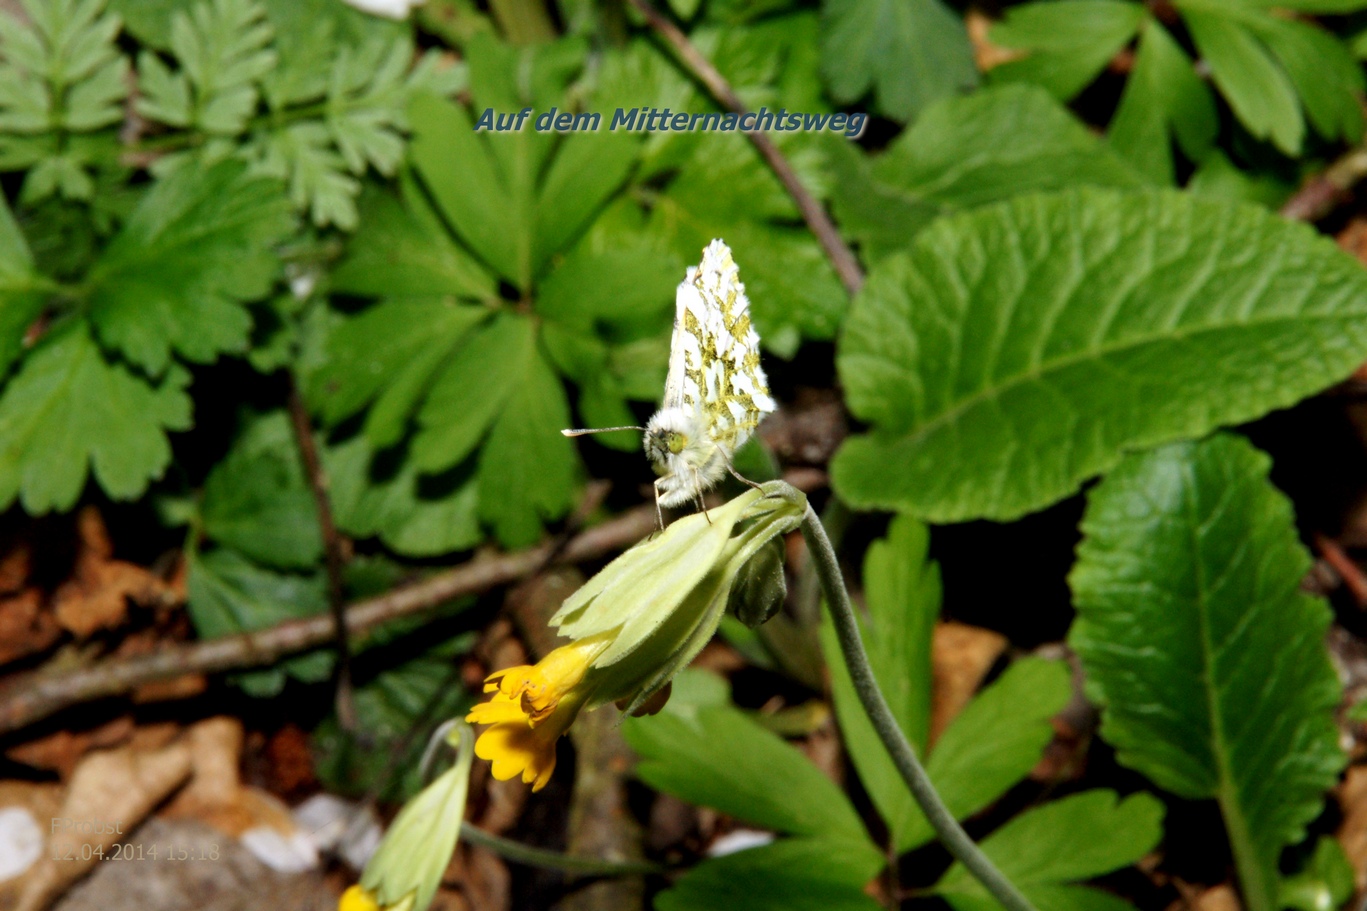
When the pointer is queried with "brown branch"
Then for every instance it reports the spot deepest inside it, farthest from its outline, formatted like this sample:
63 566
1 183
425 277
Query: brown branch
333 553
837 251
34 696
37 695
1348 572
1326 190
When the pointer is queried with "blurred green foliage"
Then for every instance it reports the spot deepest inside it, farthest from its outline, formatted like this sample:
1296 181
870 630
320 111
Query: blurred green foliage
211 205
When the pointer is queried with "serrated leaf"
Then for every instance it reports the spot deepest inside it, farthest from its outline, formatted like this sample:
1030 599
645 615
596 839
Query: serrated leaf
1163 99
908 53
395 253
413 514
223 50
1070 41
302 154
990 746
257 501
1043 851
793 874
755 777
198 245
1017 350
1188 594
68 411
962 153
21 295
229 594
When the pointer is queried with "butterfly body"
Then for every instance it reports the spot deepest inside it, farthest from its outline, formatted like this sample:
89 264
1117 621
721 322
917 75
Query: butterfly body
716 392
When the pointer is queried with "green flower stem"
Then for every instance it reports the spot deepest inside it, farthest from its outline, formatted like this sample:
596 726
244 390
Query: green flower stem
553 860
903 756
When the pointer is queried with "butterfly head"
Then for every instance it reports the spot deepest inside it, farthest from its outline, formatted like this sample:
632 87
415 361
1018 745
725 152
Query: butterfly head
667 435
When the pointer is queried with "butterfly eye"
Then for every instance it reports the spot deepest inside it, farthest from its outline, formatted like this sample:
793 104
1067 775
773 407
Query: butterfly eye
675 441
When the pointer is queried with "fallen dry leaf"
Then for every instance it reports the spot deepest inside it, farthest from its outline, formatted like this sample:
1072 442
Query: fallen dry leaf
986 54
111 792
15 567
97 595
25 627
1352 833
961 656
60 751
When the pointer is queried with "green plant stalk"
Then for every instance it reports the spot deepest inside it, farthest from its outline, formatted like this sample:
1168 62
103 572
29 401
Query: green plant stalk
903 756
553 860
1257 881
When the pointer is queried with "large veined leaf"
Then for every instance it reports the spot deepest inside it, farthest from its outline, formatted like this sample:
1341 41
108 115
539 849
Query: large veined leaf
961 153
1206 656
1016 350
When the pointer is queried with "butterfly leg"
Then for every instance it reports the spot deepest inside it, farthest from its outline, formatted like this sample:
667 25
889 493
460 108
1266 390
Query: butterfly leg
659 513
740 477
697 495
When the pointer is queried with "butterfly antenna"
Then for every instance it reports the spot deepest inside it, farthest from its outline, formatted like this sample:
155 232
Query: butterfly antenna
580 433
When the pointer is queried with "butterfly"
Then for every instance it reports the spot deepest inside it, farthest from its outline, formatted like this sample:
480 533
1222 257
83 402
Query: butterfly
716 392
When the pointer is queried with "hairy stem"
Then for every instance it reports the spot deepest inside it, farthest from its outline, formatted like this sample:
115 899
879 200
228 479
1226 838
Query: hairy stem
903 756
553 860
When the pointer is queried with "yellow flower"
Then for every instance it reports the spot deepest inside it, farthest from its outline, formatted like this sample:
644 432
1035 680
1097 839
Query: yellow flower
358 899
633 626
532 707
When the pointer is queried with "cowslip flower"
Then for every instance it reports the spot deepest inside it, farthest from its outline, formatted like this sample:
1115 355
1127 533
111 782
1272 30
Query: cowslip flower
632 627
407 867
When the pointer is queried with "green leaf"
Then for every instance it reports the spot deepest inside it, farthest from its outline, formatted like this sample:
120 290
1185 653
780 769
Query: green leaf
1043 851
1163 98
65 52
1188 594
21 297
413 514
794 874
527 467
1071 41
1325 883
909 53
471 391
303 154
720 758
962 153
1327 78
257 500
68 409
1249 77
990 746
229 594
498 190
396 253
1017 350
198 245
223 50
387 355
394 702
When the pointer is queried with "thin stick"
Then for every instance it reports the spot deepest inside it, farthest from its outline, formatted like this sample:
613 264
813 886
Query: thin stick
876 707
837 251
1322 193
37 695
332 551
